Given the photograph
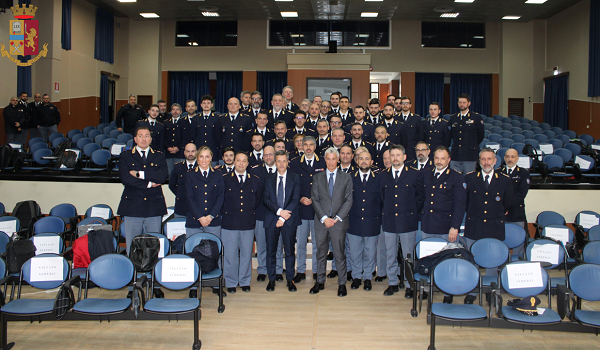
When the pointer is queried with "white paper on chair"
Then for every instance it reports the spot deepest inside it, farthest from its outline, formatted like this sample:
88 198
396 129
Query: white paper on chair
524 275
161 251
175 229
78 152
495 147
559 234
98 212
428 248
8 227
45 245
588 221
116 149
169 213
547 148
178 270
47 269
583 164
524 162
596 147
15 145
545 252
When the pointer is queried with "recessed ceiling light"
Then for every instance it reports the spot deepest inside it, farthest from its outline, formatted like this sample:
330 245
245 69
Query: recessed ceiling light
183 36
362 35
193 43
297 35
127 0
372 0
465 1
149 15
465 45
369 14
282 0
449 15
289 14
511 17
535 1
210 14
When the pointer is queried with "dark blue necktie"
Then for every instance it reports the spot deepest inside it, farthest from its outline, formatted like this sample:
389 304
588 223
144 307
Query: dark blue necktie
280 201
331 185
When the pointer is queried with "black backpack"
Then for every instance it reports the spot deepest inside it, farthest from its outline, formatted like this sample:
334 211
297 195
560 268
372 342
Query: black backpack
28 212
17 253
206 254
425 266
5 156
143 252
67 159
61 148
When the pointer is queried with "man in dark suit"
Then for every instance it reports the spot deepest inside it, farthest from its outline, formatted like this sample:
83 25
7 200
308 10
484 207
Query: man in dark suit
177 179
142 171
157 129
129 115
394 128
331 197
255 157
359 118
281 197
323 139
45 117
280 131
14 118
436 130
412 126
520 180
288 95
402 193
380 146
467 133
278 113
173 137
234 127
422 162
299 128
206 126
345 112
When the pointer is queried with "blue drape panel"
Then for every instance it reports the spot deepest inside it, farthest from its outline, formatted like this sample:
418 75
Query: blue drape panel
229 84
556 102
429 87
104 49
24 73
104 99
594 53
270 83
184 86
477 86
65 32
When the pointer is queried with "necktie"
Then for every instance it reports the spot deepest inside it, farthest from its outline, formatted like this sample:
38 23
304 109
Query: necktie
204 173
232 118
143 155
276 116
190 166
365 178
331 184
405 117
432 122
320 142
241 178
510 171
258 156
487 184
422 166
437 175
356 145
255 114
151 123
228 170
280 200
270 170
345 170
309 163
379 147
389 124
397 174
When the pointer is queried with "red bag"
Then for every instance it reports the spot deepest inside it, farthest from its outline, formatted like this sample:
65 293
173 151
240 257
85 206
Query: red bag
81 254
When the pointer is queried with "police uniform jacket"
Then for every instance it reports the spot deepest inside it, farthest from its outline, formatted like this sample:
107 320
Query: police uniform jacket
349 120
378 153
157 132
185 129
437 134
173 138
32 110
467 133
415 164
289 144
412 133
363 143
520 181
28 123
234 132
293 109
395 132
445 201
45 115
291 200
163 117
250 112
240 201
365 214
486 207
306 132
402 200
252 161
306 174
129 116
312 124
13 114
204 196
177 186
368 131
137 199
295 154
323 146
207 132
269 134
285 115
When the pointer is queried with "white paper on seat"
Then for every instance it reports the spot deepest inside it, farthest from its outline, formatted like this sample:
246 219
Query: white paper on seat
547 148
178 270
45 245
169 213
495 147
116 149
588 221
8 227
583 164
559 234
161 251
546 253
524 275
524 162
596 147
98 212
15 145
541 310
76 151
428 248
175 229
47 269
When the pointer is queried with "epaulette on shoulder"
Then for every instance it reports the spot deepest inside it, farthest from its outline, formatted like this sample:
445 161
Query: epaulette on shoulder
413 168
470 172
180 162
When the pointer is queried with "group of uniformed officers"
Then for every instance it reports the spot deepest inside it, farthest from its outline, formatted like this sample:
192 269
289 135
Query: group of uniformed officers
406 183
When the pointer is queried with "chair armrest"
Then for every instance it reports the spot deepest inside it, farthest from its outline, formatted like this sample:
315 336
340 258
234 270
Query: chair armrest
538 230
564 297
498 302
7 279
74 280
67 253
136 302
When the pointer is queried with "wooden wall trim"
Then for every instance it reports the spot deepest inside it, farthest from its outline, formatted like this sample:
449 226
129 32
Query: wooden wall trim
250 80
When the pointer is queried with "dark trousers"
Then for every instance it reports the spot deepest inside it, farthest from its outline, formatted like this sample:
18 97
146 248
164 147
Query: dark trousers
288 235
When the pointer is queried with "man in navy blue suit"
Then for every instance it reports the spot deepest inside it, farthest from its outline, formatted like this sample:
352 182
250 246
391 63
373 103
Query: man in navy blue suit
466 130
157 129
206 126
281 198
177 179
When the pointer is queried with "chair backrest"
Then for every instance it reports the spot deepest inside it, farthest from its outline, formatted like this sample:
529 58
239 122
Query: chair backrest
546 148
107 129
487 126
90 148
40 240
94 208
548 217
175 285
456 276
584 281
194 240
525 126
93 133
574 148
514 235
27 274
528 134
114 133
518 146
554 162
117 148
92 220
594 233
513 117
544 126
123 138
500 154
547 243
499 160
516 131
130 143
98 139
505 134
570 133
87 129
4 239
49 224
563 138
78 137
483 142
540 138
164 243
37 146
101 126
496 129
556 143
522 292
108 143
497 123
111 271
587 219
589 139
564 153
64 211
497 117
72 133
506 143
490 252
35 140
515 123
38 156
506 120
417 250
493 137
534 123
551 134
113 123
10 221
533 142
175 222
82 142
586 163
55 136
591 253
101 157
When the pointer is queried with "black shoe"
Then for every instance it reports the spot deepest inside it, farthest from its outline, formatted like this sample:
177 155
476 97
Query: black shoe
380 278
216 291
231 290
271 286
469 299
349 276
299 277
342 292
278 277
408 294
356 283
330 256
291 286
245 288
448 299
159 293
367 285
261 277
317 287
129 294
391 290
332 274
374 273
193 293
314 276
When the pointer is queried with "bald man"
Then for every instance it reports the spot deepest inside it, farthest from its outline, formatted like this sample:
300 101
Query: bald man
235 125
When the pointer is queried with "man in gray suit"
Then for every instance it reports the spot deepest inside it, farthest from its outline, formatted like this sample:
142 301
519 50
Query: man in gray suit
332 199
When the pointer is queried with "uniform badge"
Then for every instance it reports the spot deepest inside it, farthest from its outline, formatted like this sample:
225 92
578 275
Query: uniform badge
465 185
470 121
241 129
482 121
528 181
223 129
497 198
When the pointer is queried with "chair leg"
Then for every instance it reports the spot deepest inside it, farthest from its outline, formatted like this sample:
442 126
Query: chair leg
432 334
413 311
221 306
197 343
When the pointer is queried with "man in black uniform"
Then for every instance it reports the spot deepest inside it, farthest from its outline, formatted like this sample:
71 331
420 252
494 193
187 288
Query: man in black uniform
467 133
300 128
345 112
235 125
46 117
177 180
28 123
33 107
395 129
422 162
288 95
261 121
129 115
374 116
256 156
280 131
436 129
157 129
14 117
278 113
206 126
173 136
520 180
380 146
412 129
359 118
163 115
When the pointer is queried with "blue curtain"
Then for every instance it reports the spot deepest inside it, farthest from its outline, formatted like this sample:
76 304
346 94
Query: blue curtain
594 54
556 102
478 86
229 84
429 87
105 36
270 83
24 73
65 32
184 86
104 99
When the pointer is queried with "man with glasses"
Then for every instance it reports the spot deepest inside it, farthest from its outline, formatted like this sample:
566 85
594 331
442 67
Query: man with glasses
325 109
335 122
255 107
299 128
412 127
422 162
